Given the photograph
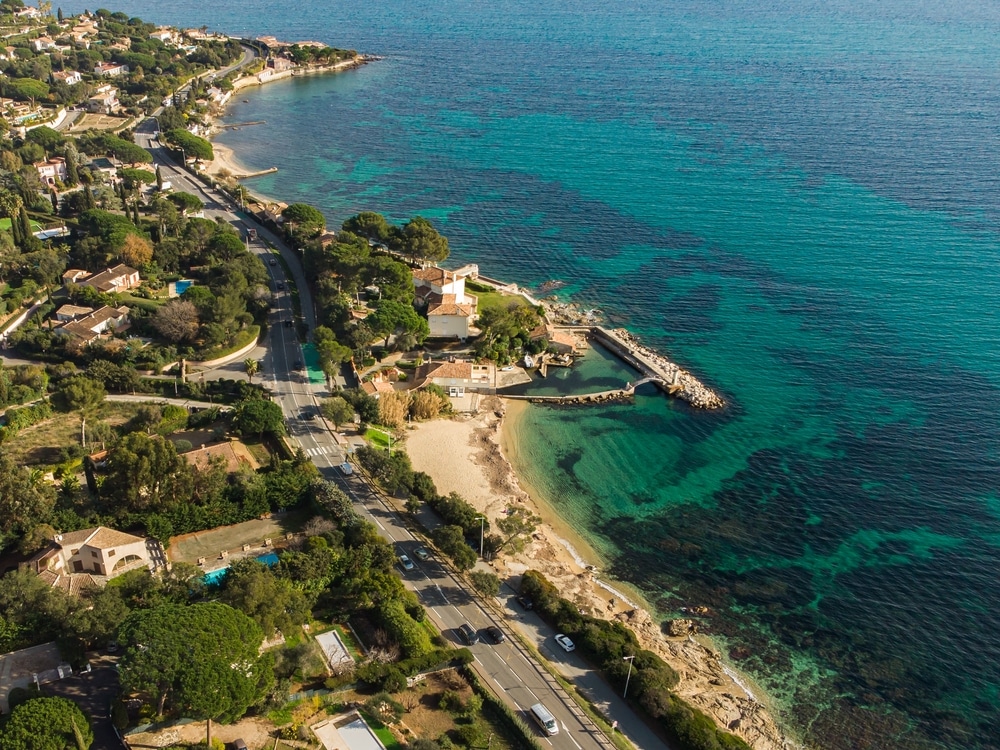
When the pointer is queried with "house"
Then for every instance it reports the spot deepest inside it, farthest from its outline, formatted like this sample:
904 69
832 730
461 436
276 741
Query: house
104 100
117 279
234 455
73 275
52 170
69 77
457 376
86 329
43 43
67 313
110 69
105 167
27 12
279 64
163 34
380 382
92 556
451 312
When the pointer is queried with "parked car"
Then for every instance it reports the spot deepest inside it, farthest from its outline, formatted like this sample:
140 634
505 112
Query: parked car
495 634
238 745
565 642
406 562
525 602
422 553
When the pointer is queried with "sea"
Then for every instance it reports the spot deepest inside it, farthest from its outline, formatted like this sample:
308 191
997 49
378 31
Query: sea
798 201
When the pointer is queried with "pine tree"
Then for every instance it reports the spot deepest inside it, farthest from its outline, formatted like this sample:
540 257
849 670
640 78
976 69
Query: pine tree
59 15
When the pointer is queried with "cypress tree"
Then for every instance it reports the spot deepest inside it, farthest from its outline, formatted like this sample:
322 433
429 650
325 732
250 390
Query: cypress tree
25 224
15 231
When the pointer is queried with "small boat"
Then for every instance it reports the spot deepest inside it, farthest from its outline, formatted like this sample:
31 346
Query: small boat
528 361
246 101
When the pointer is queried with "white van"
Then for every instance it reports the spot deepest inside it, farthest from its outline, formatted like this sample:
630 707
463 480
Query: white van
545 720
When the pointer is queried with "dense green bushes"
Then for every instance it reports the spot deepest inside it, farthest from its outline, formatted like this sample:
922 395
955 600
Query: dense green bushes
607 644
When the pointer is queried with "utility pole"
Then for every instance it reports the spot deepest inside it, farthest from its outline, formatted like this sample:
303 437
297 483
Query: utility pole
482 527
629 659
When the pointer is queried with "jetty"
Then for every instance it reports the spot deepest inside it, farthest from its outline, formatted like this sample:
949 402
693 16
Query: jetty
668 376
238 125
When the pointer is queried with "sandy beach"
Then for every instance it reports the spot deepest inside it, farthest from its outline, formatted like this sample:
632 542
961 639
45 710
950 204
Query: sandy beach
467 455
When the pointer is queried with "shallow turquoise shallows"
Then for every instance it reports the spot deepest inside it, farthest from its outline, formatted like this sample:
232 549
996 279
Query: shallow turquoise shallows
798 201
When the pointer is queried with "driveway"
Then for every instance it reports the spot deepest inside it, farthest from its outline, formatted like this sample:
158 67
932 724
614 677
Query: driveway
93 693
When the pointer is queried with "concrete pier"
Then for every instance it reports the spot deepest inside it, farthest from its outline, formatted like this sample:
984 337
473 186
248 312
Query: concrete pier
656 368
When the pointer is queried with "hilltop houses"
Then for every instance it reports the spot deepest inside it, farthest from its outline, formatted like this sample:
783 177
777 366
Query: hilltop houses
451 311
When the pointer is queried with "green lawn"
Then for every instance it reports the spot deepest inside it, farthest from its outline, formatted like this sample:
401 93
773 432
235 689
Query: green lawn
491 299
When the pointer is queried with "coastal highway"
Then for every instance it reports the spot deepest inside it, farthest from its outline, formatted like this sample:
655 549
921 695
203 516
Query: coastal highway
508 669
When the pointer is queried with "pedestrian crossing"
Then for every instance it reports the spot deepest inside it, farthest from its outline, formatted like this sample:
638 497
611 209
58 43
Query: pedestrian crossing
320 451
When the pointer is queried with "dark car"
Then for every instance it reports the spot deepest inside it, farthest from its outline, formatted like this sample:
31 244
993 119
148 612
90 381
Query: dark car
273 262
307 415
467 634
238 745
288 324
297 365
495 634
280 285
525 602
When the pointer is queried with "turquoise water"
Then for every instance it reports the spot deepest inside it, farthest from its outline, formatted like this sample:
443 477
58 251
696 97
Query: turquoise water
214 577
797 201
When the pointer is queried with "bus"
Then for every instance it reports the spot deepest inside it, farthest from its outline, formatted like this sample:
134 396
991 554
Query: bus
545 720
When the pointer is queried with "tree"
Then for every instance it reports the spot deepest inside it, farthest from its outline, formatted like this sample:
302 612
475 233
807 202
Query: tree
177 321
47 724
78 392
516 528
186 202
304 216
331 352
256 415
145 474
190 144
137 251
205 658
451 541
487 584
23 501
252 367
392 318
368 224
272 602
337 410
421 240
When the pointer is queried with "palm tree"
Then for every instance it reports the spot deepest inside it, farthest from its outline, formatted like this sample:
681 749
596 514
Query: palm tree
252 367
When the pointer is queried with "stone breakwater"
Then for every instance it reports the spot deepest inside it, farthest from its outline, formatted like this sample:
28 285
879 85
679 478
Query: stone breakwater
668 375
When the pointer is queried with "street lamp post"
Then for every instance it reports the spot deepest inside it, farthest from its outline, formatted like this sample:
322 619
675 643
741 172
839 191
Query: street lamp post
629 676
482 529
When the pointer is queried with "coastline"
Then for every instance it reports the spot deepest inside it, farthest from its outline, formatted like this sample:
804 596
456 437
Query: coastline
471 455
473 460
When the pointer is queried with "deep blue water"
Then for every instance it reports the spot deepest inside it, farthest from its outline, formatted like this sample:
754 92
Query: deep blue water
800 202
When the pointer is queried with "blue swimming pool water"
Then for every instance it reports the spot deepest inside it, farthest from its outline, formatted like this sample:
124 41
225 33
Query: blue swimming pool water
214 577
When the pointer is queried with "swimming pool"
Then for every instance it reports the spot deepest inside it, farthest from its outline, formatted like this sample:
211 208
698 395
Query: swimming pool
214 577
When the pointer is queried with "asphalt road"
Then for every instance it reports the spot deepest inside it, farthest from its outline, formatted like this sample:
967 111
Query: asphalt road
508 669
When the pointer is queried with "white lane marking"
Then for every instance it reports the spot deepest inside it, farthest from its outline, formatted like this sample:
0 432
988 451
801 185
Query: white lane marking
569 735
381 526
532 694
499 685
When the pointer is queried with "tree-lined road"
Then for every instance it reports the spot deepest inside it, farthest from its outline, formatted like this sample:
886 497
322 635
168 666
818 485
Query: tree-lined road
507 668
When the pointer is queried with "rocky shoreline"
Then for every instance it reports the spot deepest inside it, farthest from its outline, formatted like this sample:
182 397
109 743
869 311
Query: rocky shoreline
466 456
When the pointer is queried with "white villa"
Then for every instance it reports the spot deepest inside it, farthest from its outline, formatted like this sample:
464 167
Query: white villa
92 556
451 312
